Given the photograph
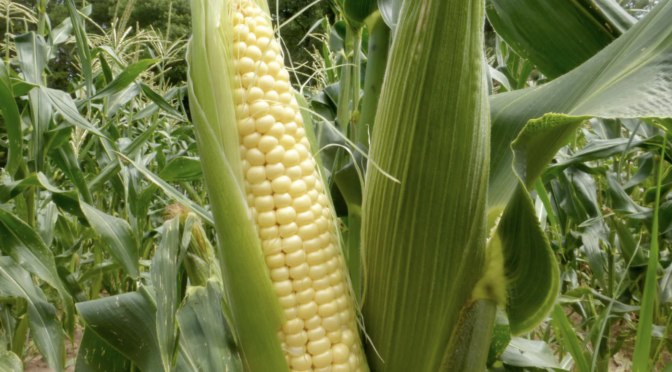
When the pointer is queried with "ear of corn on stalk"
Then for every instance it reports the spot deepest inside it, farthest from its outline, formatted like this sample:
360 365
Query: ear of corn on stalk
287 201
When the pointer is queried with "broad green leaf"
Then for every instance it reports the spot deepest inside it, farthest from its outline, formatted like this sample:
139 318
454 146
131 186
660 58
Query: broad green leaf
160 101
44 326
12 121
569 341
128 323
629 77
116 236
522 352
472 337
390 10
205 332
64 104
126 77
255 308
150 110
165 274
557 36
424 238
9 362
26 248
96 355
359 10
82 45
67 162
182 168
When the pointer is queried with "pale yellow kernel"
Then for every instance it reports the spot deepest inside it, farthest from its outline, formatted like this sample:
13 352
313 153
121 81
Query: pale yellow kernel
312 245
291 158
306 295
259 109
292 244
281 87
289 229
307 310
339 289
249 21
353 360
269 232
277 111
243 110
274 171
333 264
330 323
298 188
310 183
267 82
293 326
305 218
296 258
287 115
238 18
307 167
291 313
240 94
275 260
285 216
294 173
261 21
277 131
251 37
304 154
266 219
317 271
254 94
335 278
345 316
308 232
264 203
239 51
287 141
246 126
322 199
348 338
300 271
255 214
304 141
255 157
324 359
313 322
324 296
253 52
345 367
269 57
300 285
282 184
324 369
319 346
240 32
273 67
299 121
275 156
295 351
251 140
316 258
261 189
318 184
335 336
257 174
314 196
300 135
260 68
317 333
287 301
320 284
267 143
301 204
341 353
283 75
302 363
322 224
298 339
264 124
263 44
245 65
326 213
283 288
275 46
279 274
248 79
250 200
263 31
248 186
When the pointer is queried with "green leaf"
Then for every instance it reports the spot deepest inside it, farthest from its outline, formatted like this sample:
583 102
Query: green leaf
64 104
67 162
165 274
117 238
44 325
126 77
96 355
424 239
128 323
569 341
9 362
182 168
82 45
160 101
12 120
522 352
557 36
390 10
26 248
150 110
359 10
205 332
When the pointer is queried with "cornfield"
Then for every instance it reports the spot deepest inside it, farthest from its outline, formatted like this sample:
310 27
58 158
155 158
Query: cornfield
443 185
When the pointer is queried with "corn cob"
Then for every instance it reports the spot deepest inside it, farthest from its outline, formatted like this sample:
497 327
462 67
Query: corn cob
289 205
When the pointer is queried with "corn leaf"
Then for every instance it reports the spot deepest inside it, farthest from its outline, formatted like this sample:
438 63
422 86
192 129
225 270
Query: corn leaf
96 355
12 119
256 311
557 36
10 362
126 77
205 332
182 168
44 325
424 238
